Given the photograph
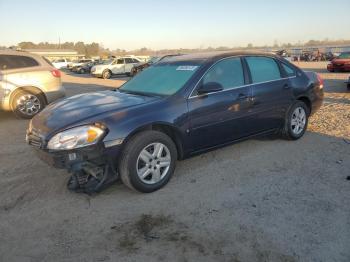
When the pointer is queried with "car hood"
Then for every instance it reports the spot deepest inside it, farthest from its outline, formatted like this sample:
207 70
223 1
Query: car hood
340 61
79 108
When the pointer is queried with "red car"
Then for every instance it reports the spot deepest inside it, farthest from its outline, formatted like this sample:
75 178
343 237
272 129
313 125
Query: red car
340 63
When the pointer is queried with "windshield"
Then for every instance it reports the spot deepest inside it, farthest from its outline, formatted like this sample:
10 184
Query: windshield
344 56
160 79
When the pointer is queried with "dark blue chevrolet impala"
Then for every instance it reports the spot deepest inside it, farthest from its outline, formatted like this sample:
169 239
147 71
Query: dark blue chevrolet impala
179 107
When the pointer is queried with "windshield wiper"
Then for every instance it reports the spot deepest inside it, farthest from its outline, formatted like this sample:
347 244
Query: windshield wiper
135 93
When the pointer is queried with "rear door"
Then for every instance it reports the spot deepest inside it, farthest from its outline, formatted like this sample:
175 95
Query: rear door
118 66
220 117
271 92
129 64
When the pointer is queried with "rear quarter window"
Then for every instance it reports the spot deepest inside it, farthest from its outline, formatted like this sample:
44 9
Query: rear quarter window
8 62
263 69
289 70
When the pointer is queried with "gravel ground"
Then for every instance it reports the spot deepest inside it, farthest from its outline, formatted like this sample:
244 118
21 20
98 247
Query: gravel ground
259 200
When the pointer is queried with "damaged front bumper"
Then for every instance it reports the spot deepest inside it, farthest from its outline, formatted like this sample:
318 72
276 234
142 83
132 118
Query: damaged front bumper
93 168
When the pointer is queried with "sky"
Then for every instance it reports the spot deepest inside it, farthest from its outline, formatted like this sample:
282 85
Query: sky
165 24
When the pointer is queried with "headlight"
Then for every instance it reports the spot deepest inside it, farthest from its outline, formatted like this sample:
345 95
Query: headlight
76 138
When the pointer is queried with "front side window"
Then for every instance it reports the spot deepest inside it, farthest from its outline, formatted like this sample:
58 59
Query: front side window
344 56
160 79
228 73
120 61
15 62
263 69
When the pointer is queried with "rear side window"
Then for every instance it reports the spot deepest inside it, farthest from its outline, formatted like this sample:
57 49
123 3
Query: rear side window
228 73
263 69
289 70
15 61
129 60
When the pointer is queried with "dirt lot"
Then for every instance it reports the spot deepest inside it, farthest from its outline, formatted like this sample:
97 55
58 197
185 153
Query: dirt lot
259 200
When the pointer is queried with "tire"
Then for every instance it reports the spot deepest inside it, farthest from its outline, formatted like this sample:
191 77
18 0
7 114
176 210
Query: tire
132 164
26 104
348 87
106 74
295 125
82 71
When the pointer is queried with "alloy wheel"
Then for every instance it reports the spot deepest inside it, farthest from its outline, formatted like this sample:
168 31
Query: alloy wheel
298 120
153 163
28 104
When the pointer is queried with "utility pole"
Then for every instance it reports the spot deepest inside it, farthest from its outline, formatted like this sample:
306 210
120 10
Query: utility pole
59 42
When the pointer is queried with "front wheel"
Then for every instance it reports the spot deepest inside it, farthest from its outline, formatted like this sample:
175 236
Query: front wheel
296 121
106 74
148 161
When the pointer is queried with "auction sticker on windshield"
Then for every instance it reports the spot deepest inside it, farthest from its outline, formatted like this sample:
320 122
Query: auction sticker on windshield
186 68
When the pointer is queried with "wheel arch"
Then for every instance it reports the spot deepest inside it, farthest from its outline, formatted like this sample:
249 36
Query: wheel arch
33 89
166 128
307 102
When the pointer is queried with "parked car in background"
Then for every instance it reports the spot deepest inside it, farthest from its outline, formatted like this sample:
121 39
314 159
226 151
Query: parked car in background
340 63
177 108
155 59
83 68
78 63
115 66
139 67
60 63
28 83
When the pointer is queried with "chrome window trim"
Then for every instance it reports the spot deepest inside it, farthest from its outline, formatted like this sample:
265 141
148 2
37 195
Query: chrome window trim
228 89
236 87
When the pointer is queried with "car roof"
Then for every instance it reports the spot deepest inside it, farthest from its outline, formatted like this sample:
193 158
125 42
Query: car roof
21 53
212 56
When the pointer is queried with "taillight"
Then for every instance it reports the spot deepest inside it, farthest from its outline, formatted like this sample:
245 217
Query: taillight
56 73
320 80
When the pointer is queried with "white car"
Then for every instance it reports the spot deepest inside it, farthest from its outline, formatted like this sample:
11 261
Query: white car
116 66
78 63
60 63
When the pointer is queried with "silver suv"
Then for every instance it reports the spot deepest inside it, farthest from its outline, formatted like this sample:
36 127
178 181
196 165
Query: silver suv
28 83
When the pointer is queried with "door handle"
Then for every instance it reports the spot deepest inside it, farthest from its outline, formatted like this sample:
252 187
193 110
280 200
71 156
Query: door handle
242 96
286 86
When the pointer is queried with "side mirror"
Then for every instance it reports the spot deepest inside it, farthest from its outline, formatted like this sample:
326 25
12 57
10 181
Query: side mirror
209 87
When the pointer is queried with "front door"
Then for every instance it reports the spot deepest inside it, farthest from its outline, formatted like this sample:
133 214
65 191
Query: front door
220 117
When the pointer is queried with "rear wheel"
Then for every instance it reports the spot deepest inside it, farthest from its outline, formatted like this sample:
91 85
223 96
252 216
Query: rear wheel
26 104
296 121
148 161
82 71
106 74
348 86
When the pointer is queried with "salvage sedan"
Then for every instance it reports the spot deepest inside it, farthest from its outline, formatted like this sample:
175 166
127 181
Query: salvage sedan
175 109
